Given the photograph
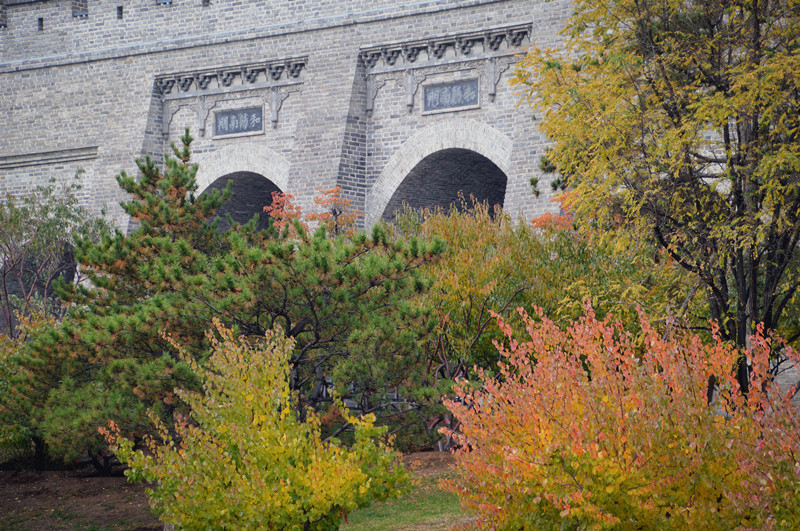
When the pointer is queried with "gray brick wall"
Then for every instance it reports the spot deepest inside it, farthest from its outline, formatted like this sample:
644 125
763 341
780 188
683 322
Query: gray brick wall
96 84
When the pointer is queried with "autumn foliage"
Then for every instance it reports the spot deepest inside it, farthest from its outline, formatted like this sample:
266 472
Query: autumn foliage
244 460
492 264
594 428
283 211
679 119
337 213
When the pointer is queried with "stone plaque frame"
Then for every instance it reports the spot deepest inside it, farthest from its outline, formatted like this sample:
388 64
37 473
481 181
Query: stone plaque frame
226 115
439 87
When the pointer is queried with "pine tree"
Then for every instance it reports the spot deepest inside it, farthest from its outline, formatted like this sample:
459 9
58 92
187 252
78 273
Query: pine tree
346 302
113 361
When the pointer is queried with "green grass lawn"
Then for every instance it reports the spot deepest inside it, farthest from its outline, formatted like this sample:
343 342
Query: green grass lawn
426 506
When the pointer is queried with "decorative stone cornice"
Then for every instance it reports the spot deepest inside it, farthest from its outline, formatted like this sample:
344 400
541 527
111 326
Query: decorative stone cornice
254 75
203 90
48 157
434 50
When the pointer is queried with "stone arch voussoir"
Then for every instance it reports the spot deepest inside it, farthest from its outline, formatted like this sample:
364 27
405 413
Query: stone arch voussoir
253 158
456 133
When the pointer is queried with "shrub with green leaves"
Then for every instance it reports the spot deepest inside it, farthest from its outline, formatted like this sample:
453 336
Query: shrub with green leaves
492 264
38 231
14 441
243 459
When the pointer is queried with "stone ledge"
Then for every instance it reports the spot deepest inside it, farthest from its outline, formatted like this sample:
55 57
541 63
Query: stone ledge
9 162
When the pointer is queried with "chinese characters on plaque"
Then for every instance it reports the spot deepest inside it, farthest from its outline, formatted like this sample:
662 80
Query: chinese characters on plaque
238 121
449 95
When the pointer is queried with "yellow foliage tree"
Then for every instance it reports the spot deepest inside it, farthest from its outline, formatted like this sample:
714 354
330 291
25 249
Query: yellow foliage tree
244 461
681 117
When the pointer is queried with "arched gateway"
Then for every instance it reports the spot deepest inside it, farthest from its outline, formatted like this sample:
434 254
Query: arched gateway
440 161
256 172
250 158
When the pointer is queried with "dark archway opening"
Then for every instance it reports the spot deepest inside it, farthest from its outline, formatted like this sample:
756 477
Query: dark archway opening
437 180
251 192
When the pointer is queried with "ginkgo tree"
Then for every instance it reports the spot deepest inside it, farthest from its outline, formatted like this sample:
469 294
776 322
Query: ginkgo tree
681 116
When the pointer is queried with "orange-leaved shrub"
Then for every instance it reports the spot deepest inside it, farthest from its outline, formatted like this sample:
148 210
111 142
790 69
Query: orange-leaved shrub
337 213
245 461
283 211
595 428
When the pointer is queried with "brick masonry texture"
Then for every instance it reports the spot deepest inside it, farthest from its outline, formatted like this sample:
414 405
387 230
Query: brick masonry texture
339 86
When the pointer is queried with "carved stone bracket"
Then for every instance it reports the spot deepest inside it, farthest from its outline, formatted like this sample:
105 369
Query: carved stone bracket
390 56
436 50
277 95
226 78
274 72
411 52
515 36
294 68
168 112
464 46
203 80
207 107
492 40
374 84
370 58
250 74
185 82
203 105
413 81
492 71
165 85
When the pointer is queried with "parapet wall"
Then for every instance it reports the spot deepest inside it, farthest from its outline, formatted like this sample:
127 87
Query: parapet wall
46 31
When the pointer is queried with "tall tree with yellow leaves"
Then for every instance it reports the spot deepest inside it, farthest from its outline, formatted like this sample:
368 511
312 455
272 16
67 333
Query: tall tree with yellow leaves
682 117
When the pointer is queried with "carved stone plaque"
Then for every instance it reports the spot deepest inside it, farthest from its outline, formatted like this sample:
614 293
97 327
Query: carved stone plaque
451 95
238 121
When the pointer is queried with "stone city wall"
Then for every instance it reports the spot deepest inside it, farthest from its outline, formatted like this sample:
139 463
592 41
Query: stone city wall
355 93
